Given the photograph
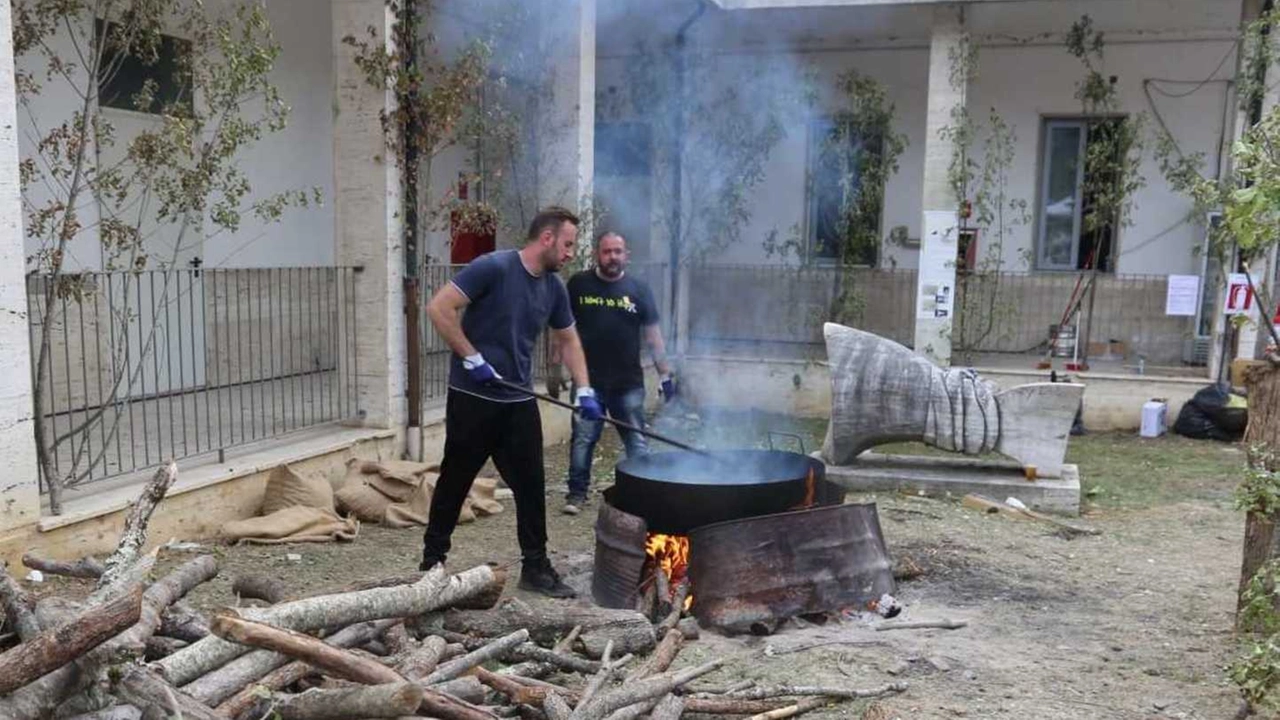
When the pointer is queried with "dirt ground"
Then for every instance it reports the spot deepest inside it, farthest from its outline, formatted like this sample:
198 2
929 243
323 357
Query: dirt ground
1134 623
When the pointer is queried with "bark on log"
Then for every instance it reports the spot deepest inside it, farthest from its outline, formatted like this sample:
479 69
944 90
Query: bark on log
943 624
34 700
134 536
455 668
19 607
598 680
804 706
677 609
529 651
630 631
160 646
766 692
689 626
87 567
661 658
534 669
730 706
556 708
467 688
398 641
1261 541
632 693
182 622
671 708
335 661
255 586
377 701
422 660
143 687
237 677
139 572
434 591
119 712
54 648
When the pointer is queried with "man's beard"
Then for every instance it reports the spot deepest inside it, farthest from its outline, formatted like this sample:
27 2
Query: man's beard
551 261
611 270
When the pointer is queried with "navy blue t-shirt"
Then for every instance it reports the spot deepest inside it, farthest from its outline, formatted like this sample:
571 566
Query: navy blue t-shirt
509 307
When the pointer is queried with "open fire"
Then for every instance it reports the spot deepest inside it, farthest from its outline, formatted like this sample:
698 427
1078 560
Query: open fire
669 555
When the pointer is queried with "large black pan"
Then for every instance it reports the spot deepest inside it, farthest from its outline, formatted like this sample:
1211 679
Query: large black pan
677 491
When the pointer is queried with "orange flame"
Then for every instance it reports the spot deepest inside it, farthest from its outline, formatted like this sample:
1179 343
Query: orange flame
670 555
810 488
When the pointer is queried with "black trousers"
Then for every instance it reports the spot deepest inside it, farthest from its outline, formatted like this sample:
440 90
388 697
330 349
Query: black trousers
476 429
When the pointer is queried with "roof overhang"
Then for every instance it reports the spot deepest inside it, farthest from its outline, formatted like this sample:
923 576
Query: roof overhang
774 4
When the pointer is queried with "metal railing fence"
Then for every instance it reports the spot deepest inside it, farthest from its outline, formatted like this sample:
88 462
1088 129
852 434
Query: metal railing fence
145 366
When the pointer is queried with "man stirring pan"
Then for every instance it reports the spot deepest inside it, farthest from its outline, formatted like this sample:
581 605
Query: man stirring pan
613 310
509 296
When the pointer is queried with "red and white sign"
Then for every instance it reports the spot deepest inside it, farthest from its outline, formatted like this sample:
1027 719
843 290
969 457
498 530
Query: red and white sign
1239 295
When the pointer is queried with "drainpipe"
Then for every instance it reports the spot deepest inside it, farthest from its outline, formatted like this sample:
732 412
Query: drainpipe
677 189
409 188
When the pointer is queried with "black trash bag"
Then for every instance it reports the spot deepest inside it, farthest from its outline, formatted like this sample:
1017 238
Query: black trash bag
1208 416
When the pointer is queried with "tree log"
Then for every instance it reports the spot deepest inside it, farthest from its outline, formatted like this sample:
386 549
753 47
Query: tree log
181 622
159 646
529 651
255 586
118 712
143 687
34 700
18 606
534 669
630 631
335 661
134 536
641 690
398 640
376 701
661 658
556 708
455 668
435 590
804 706
766 692
54 648
467 687
670 708
677 609
598 680
87 567
242 673
943 624
422 660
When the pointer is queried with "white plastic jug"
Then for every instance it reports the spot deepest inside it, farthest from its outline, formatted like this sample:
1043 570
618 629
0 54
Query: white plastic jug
1153 418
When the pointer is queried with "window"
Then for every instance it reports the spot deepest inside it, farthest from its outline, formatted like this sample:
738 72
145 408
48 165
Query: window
1064 242
126 72
844 224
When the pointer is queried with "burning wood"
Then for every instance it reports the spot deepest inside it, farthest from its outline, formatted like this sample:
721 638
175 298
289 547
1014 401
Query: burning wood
667 565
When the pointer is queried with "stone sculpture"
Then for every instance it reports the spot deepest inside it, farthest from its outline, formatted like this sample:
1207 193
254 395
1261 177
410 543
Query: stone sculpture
882 392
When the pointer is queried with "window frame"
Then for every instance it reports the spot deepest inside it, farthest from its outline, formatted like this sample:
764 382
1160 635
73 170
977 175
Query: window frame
1042 218
816 127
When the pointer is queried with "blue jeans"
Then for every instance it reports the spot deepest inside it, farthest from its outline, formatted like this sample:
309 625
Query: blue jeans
624 405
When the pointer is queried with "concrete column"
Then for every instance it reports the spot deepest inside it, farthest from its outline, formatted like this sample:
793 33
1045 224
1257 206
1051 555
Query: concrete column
20 489
569 36
936 286
368 228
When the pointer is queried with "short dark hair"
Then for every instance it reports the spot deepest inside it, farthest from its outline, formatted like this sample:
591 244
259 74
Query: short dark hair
595 244
551 218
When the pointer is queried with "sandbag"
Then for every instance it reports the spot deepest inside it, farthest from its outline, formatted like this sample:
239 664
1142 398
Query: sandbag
286 488
292 524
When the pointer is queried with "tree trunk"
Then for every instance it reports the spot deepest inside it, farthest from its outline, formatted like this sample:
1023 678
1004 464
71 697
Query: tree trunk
1260 537
378 701
418 662
434 591
143 687
630 631
335 661
238 677
18 606
54 648
86 567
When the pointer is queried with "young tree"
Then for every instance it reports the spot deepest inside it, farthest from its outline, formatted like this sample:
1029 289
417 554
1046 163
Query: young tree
181 170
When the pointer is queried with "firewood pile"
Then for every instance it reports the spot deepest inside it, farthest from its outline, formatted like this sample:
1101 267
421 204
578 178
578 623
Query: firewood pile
425 644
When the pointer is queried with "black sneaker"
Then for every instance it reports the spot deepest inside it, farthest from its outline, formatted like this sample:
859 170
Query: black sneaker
542 578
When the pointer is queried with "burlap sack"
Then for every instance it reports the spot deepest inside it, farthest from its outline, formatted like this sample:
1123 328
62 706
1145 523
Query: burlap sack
292 524
286 488
481 497
417 509
398 488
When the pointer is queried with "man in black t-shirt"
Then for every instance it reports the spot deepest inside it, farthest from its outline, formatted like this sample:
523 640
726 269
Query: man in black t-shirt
613 312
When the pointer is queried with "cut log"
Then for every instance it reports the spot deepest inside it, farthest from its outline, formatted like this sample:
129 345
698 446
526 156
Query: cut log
556 708
134 536
159 646
661 658
670 708
534 669
143 687
335 661
804 706
766 692
255 586
139 572
422 660
598 680
630 631
467 688
87 567
529 651
689 626
730 706
631 693
19 607
243 672
34 699
118 712
398 641
435 590
677 609
943 624
54 648
181 622
378 701
455 668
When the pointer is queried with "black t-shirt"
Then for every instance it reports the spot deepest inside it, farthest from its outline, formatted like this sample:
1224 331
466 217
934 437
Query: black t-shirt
508 309
610 316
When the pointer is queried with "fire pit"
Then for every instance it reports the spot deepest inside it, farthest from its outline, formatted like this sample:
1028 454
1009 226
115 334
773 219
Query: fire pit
761 536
